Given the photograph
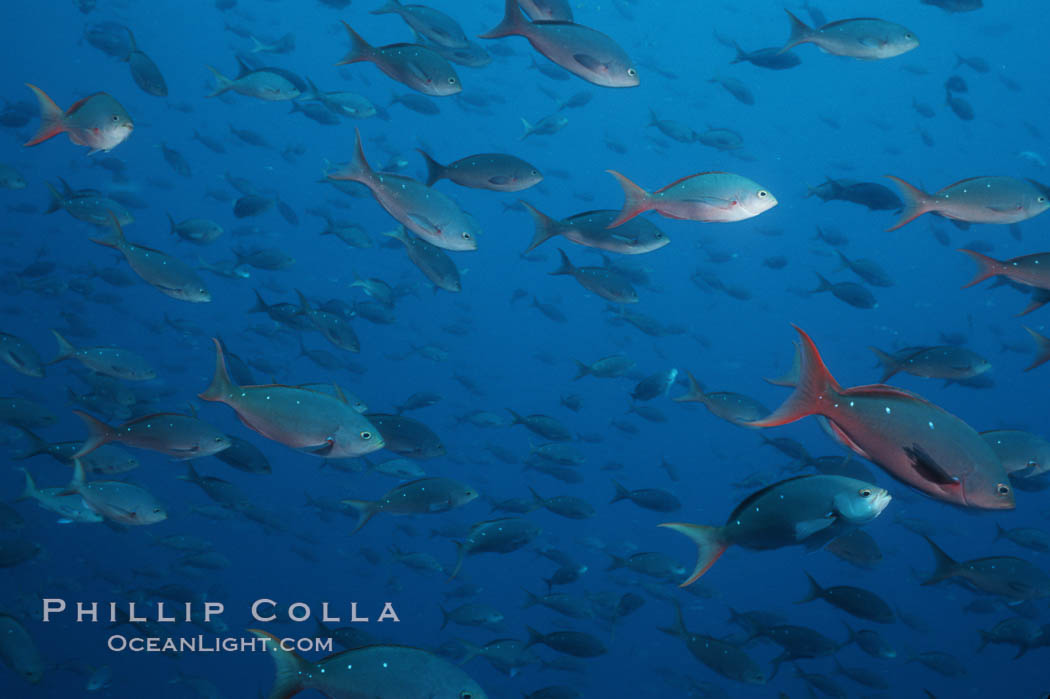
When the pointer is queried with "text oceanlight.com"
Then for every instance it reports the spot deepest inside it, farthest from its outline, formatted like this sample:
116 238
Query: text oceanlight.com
201 644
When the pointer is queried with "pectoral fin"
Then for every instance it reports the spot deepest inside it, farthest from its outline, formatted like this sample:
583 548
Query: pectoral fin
809 527
927 468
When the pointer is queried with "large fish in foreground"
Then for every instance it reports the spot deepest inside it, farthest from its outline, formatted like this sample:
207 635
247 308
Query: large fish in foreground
97 121
426 212
578 49
710 197
910 438
372 672
989 199
808 510
315 422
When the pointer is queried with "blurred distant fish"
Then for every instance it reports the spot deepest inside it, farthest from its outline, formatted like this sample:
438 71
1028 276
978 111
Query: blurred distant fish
496 171
88 205
428 22
547 10
419 497
431 260
267 84
591 229
20 356
864 38
955 5
19 652
97 121
578 49
771 58
709 196
181 437
117 501
108 361
604 282
144 71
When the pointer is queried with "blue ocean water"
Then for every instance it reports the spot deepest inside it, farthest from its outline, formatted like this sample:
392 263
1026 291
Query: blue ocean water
828 117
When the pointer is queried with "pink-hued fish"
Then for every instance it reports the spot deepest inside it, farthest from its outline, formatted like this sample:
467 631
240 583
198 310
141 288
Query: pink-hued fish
315 422
1030 270
989 199
578 49
416 66
910 438
866 38
426 212
97 121
711 197
179 436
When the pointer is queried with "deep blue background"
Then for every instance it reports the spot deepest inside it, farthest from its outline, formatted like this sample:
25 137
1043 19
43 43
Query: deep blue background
744 341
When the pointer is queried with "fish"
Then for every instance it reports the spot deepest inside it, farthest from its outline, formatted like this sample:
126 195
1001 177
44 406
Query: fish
591 229
505 535
1023 454
19 652
606 283
547 10
315 422
266 84
771 58
1029 270
955 5
852 293
733 407
169 275
418 497
116 501
21 356
912 439
807 510
579 644
1006 576
108 361
72 509
866 38
947 362
182 437
426 212
710 197
413 65
988 199
857 601
433 24
605 368
406 436
653 499
374 670
724 657
582 51
550 124
200 231
98 121
144 71
655 385
496 171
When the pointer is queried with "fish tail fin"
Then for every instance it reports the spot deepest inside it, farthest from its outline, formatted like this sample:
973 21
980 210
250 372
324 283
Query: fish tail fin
741 54
65 349
945 565
621 492
677 627
527 128
52 119
1042 353
581 370
365 509
289 667
116 238
999 531
815 384
986 267
76 484
358 169
221 384
29 492
512 23
815 590
822 284
360 50
461 555
222 83
435 170
636 200
441 607
890 365
534 636
516 419
709 543
790 377
390 6
916 203
99 433
171 222
653 119
1040 297
257 45
986 638
695 394
304 303
546 227
56 201
36 445
800 33
566 265
617 562
260 305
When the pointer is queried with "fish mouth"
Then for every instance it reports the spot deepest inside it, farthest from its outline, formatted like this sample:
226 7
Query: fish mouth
880 502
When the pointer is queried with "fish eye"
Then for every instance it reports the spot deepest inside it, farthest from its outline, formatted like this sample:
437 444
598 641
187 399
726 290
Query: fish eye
632 72
157 510
465 695
762 193
115 117
466 236
1041 200
865 492
366 435
451 81
1003 489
